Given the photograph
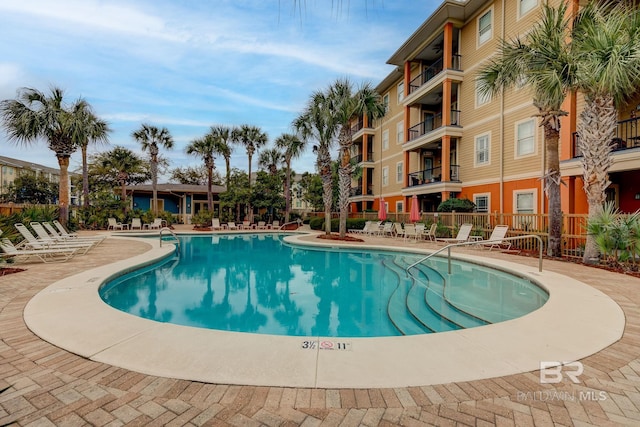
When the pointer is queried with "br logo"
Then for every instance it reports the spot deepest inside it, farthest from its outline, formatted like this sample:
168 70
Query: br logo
552 372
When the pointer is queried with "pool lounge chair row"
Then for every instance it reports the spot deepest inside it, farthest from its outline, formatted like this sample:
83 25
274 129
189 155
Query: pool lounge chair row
52 244
395 229
246 225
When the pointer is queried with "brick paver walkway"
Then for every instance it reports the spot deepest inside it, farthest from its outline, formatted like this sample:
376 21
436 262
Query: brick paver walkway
42 385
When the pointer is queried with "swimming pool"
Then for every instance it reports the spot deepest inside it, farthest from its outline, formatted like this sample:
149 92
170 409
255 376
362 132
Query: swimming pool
257 283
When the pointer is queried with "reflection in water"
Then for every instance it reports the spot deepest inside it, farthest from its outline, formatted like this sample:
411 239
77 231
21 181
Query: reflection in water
258 284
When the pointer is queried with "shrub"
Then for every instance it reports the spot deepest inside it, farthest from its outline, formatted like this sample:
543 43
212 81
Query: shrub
458 205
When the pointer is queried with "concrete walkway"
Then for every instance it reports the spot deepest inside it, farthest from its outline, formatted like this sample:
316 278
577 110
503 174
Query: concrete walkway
41 384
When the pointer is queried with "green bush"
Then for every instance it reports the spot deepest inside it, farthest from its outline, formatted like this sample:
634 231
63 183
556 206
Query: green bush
317 223
458 205
202 218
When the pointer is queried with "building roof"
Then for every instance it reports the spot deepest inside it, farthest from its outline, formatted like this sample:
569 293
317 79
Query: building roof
16 163
177 188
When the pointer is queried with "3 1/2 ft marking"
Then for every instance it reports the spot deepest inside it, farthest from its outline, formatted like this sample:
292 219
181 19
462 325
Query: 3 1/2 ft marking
326 345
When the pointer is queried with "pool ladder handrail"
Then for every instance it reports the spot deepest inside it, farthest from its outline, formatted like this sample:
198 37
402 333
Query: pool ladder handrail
478 242
290 222
175 237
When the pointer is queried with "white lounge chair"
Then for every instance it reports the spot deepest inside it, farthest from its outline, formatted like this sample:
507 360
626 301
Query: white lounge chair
262 225
135 224
275 225
44 255
215 224
387 229
410 231
431 233
232 226
246 225
360 231
31 242
496 239
462 236
398 230
114 225
156 224
62 232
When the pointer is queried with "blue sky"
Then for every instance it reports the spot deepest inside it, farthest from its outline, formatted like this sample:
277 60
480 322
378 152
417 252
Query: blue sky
188 65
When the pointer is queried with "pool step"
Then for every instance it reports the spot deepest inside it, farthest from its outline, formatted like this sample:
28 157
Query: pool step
397 311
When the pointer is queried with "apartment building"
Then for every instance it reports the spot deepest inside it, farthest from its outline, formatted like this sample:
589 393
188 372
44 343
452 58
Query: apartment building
441 138
10 169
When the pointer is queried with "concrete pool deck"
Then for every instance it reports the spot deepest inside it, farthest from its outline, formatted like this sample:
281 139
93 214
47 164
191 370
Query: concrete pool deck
48 383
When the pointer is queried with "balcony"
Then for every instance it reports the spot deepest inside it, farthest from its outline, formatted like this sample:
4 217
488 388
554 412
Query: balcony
357 127
433 175
627 136
432 123
360 191
430 72
360 158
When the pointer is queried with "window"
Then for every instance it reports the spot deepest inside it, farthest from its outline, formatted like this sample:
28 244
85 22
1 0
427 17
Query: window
526 5
525 143
484 27
482 150
525 202
385 176
399 207
481 98
400 132
399 172
385 102
385 139
400 90
482 202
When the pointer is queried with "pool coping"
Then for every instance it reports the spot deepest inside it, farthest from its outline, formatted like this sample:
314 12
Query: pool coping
577 321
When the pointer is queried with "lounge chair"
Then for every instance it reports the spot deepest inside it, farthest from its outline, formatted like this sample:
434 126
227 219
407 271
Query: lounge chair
462 236
496 239
262 225
387 229
32 242
246 225
410 231
113 224
215 224
44 255
431 233
398 230
275 225
360 231
71 237
156 224
232 226
135 223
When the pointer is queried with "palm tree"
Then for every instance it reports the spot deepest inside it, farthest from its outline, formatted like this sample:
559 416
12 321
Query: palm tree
150 137
293 148
252 138
89 129
222 136
607 47
204 148
34 115
542 60
270 159
123 165
346 105
316 122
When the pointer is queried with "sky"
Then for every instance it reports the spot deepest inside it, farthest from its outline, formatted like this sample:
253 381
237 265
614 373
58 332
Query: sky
189 65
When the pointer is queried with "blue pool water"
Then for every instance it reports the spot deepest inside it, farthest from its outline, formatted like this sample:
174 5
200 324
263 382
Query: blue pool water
256 283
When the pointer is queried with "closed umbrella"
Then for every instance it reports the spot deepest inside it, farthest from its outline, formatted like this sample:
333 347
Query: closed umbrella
414 214
382 211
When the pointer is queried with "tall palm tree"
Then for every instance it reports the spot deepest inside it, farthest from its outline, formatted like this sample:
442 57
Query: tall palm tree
542 60
293 147
316 122
89 129
34 115
204 148
251 138
124 165
347 104
151 138
270 159
223 147
607 47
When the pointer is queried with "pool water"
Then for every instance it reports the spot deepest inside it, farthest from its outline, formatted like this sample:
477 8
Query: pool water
257 283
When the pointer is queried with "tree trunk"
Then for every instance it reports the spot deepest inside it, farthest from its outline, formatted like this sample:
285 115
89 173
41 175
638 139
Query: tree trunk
287 192
85 178
154 186
344 181
596 127
324 163
63 193
552 187
209 192
249 208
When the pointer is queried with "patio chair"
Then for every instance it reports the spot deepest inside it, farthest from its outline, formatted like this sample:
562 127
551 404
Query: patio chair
410 231
387 229
274 225
55 239
246 225
420 230
114 225
135 223
262 225
72 237
496 239
398 230
358 230
156 224
215 224
462 236
232 226
31 242
431 233
44 255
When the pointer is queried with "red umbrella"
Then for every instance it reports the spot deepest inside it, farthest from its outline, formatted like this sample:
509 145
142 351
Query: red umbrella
382 211
414 214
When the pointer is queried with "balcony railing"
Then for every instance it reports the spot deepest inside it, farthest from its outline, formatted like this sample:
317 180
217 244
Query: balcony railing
360 191
360 158
432 123
357 127
433 175
627 136
430 72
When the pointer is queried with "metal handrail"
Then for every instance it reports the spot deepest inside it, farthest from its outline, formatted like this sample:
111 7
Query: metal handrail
175 237
290 222
479 242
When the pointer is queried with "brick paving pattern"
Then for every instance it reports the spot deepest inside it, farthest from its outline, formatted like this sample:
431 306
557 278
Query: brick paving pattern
42 385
